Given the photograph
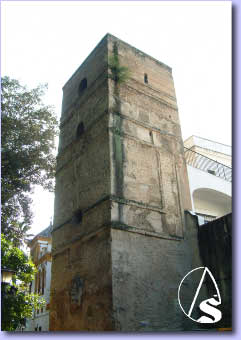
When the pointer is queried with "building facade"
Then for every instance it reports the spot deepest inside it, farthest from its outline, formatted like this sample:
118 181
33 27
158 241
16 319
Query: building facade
40 251
209 166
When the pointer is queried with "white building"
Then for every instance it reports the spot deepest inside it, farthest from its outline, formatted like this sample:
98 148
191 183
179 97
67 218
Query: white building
40 250
209 166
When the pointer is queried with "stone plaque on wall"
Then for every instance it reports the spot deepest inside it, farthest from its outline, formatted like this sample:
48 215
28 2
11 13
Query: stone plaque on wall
76 292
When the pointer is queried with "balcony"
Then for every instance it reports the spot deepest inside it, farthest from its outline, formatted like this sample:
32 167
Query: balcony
208 165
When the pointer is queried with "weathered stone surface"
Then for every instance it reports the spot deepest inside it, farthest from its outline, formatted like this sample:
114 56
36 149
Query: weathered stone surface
121 191
90 260
146 274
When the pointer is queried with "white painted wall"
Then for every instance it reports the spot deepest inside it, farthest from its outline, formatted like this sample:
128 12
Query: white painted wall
208 144
41 320
210 194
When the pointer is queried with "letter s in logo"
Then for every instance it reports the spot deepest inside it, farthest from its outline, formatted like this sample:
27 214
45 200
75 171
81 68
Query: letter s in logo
206 308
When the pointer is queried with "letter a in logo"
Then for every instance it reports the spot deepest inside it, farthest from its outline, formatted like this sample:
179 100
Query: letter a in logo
207 306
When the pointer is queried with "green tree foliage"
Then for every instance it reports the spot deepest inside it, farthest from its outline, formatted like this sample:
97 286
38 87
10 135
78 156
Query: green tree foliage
28 131
17 303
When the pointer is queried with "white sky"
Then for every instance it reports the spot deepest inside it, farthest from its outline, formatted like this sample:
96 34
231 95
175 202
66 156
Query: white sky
45 42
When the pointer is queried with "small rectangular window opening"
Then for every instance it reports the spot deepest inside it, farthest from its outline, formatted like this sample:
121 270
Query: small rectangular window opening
146 78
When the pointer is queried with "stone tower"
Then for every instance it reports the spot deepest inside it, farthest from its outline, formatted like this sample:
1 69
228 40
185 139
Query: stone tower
121 192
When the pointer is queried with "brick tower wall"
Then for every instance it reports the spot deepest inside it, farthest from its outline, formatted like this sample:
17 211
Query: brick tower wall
121 190
81 271
150 191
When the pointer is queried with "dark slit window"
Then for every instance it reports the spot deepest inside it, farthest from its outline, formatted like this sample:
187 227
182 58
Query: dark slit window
146 78
83 85
80 130
77 218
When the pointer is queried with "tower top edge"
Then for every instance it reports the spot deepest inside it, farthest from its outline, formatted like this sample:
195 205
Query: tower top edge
86 59
112 37
139 51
